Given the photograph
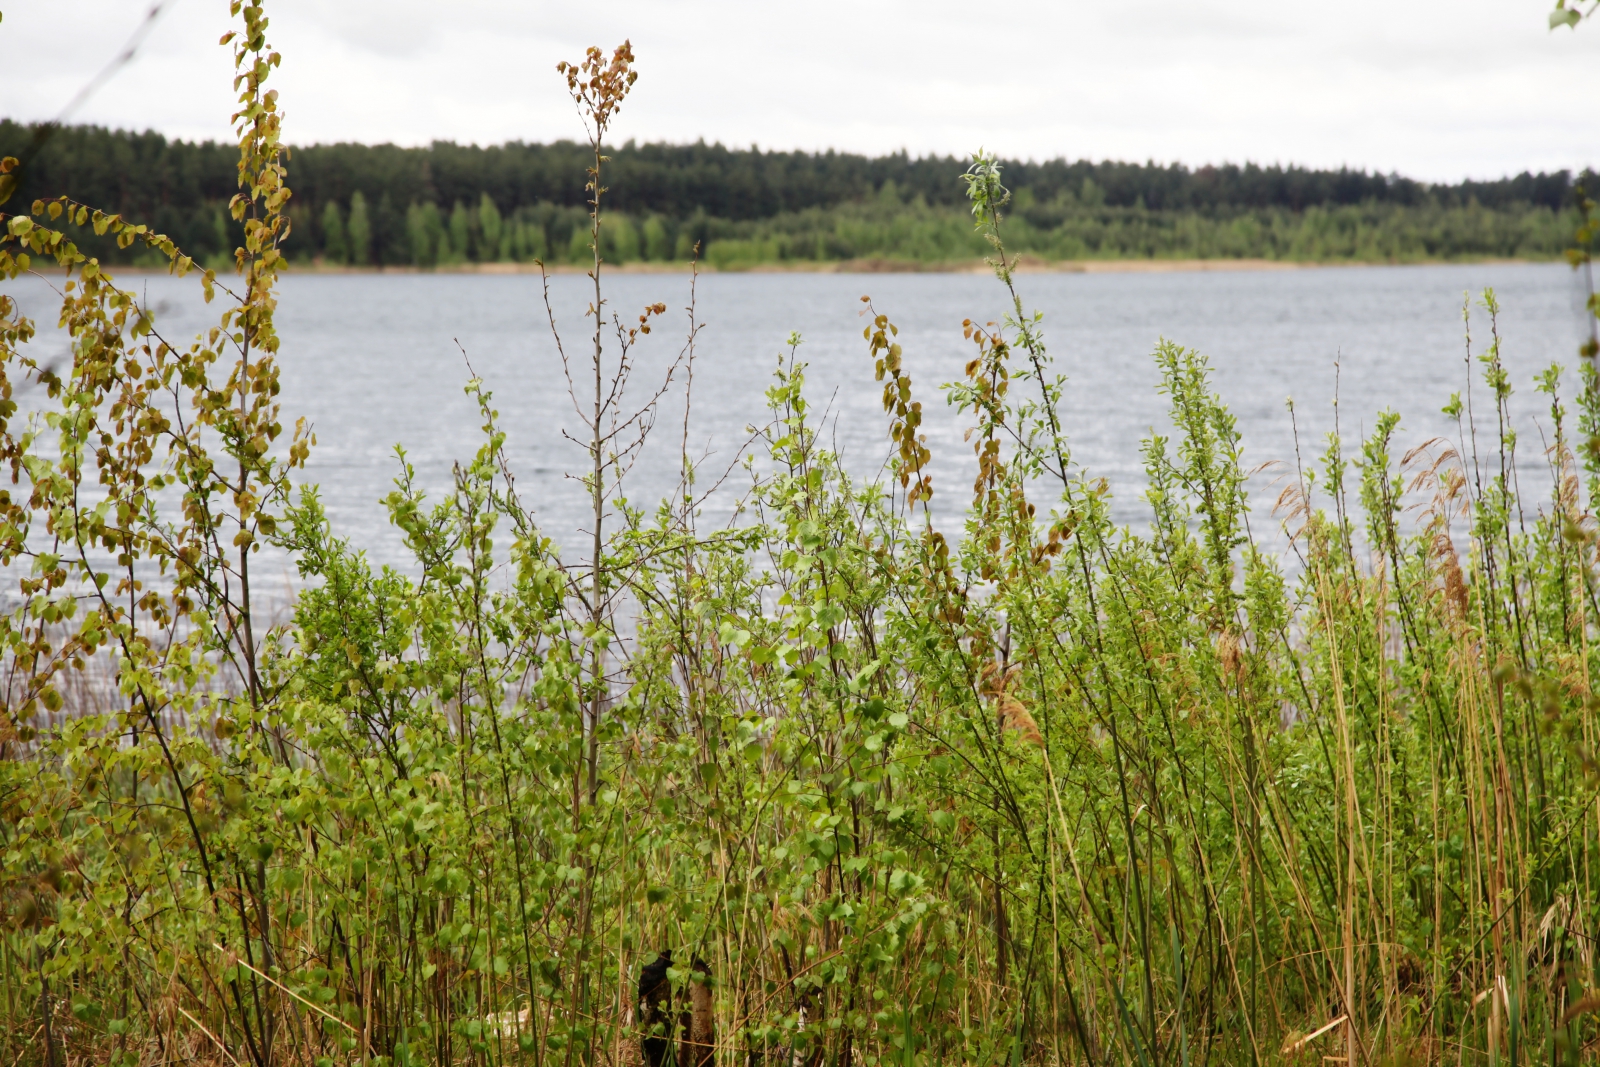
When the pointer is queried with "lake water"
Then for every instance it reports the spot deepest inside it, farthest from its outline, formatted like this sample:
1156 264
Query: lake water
372 361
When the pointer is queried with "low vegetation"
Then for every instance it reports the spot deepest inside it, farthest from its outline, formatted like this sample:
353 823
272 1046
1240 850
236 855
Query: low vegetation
821 787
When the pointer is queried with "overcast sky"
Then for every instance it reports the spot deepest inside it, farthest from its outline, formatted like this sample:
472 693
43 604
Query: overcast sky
1439 91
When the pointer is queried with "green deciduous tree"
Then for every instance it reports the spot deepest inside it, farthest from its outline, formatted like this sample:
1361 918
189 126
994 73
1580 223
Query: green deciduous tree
492 241
425 233
335 246
458 246
359 231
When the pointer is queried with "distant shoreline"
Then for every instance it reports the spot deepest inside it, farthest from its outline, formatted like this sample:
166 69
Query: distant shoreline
1022 265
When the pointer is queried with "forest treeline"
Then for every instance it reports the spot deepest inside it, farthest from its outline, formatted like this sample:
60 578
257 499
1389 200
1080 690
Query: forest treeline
447 203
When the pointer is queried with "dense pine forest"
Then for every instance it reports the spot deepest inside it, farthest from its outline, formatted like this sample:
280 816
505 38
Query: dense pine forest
449 204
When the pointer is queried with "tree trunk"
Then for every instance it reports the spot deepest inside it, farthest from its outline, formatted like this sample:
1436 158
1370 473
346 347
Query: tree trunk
700 1035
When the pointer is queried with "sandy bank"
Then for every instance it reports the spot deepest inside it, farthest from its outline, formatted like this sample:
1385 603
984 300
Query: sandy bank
1024 265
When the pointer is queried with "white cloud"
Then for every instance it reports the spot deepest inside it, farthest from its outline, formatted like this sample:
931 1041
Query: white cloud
1477 88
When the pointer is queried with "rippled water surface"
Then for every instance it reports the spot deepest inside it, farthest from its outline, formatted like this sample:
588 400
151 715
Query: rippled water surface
373 361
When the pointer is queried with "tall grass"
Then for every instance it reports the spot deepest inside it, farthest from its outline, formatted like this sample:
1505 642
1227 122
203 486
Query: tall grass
822 787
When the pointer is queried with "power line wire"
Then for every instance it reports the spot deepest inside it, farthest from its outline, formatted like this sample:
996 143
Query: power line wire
11 180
